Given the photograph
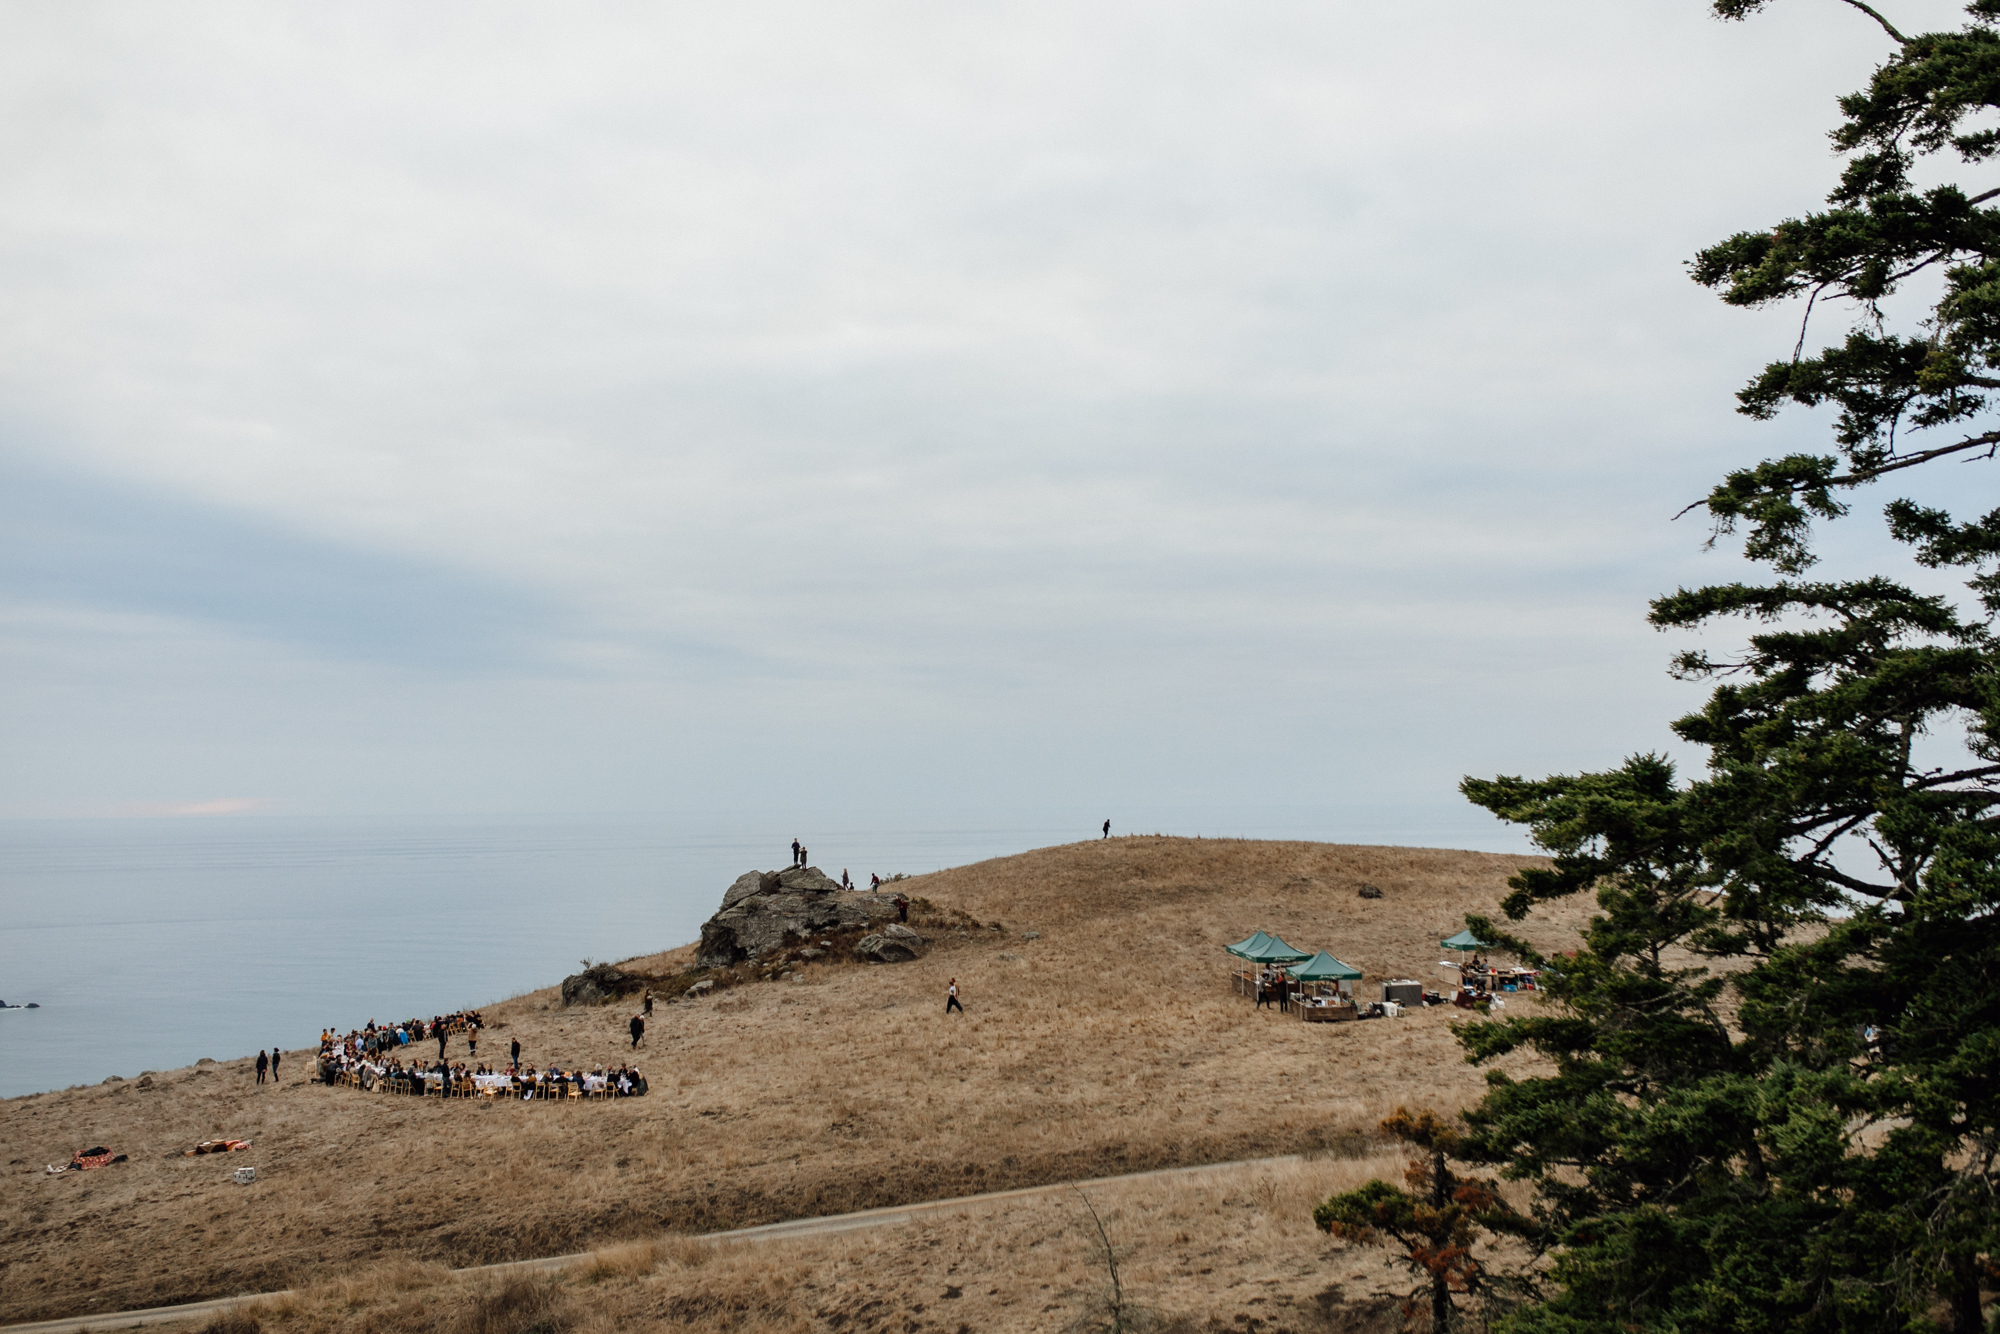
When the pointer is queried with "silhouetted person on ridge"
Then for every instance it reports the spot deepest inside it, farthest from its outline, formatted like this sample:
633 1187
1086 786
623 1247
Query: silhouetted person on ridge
276 1056
796 851
263 1064
1107 829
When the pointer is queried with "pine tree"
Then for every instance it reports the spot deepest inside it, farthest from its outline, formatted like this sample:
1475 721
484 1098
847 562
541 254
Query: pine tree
1436 1222
1777 1054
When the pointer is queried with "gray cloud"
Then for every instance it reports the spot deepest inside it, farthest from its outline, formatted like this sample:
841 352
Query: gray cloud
505 408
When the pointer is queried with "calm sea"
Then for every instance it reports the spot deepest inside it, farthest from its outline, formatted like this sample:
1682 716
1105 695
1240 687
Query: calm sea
151 943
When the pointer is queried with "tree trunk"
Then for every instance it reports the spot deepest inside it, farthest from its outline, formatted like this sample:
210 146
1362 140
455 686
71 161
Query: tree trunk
1965 1295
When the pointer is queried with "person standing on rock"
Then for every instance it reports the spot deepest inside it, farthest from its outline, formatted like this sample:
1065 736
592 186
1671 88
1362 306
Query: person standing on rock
638 1027
902 909
263 1064
796 850
951 998
845 883
803 854
1107 829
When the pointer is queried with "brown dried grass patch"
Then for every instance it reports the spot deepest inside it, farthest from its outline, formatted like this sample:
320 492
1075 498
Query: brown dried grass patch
1110 1044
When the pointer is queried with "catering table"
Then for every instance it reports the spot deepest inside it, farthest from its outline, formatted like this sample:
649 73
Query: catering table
1319 1010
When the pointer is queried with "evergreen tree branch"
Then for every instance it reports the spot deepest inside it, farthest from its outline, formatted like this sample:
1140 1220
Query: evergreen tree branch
1887 26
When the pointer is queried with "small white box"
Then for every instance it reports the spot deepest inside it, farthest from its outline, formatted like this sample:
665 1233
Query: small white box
245 1175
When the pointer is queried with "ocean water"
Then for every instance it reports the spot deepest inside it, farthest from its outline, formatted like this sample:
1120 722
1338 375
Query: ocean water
151 943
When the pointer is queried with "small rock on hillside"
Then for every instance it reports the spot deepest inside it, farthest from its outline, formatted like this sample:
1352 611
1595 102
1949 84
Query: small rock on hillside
765 910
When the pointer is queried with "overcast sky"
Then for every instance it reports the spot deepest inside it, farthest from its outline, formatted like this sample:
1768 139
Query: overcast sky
915 410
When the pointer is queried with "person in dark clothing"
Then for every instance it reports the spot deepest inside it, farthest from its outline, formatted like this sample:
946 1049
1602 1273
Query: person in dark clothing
902 909
514 1050
440 1033
263 1064
1107 829
638 1030
951 998
795 853
649 1002
276 1056
803 854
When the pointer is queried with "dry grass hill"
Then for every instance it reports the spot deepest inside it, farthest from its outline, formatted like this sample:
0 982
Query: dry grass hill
1110 1043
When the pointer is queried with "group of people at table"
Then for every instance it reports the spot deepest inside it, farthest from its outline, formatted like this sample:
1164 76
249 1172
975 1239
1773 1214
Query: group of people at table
1480 978
365 1057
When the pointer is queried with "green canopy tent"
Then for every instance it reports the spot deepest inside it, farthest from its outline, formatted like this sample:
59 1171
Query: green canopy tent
1323 967
1264 948
1242 949
1275 950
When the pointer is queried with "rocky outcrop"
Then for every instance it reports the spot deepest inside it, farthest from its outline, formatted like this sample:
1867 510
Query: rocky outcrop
895 944
767 910
598 984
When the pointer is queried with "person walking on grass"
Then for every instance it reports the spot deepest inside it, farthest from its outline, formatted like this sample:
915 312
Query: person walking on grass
649 1004
1107 829
638 1027
276 1056
902 909
951 998
263 1064
514 1051
472 1043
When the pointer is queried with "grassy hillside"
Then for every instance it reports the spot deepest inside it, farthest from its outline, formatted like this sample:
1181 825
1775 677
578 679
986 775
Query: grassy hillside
1109 1044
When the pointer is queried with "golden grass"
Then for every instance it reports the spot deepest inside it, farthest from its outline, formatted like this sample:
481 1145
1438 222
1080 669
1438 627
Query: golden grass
1230 1250
1110 1044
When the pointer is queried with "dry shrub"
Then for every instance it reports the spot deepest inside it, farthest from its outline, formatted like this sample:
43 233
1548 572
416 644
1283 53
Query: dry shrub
524 1304
687 1252
749 1297
634 1261
377 1282
234 1322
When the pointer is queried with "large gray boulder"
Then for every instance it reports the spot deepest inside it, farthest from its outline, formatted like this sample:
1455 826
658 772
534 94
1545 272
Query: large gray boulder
597 984
885 949
768 910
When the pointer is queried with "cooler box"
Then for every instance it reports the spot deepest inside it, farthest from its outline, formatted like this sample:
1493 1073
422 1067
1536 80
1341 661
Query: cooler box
1403 992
